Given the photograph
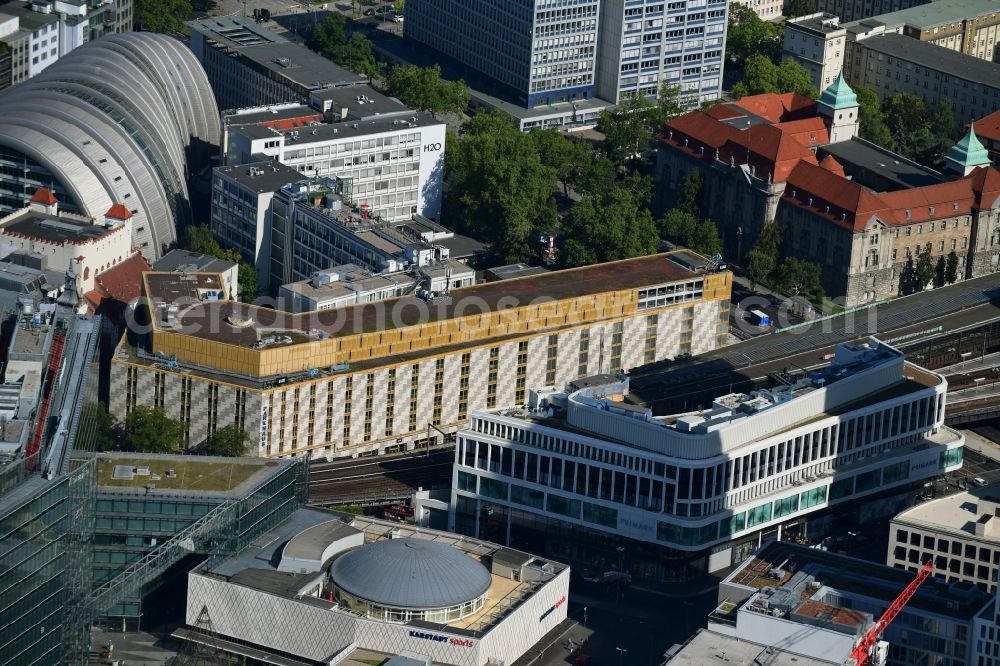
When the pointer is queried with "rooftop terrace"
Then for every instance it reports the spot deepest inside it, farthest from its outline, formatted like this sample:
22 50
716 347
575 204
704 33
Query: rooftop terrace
855 577
245 325
53 229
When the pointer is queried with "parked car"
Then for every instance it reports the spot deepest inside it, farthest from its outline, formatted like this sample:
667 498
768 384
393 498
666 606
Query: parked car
369 12
398 18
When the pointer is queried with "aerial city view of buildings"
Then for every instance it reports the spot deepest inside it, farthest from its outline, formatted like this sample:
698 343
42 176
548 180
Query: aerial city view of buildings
522 333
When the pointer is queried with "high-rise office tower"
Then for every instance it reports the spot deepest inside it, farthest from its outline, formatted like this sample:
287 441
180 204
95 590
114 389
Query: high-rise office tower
542 51
646 43
549 51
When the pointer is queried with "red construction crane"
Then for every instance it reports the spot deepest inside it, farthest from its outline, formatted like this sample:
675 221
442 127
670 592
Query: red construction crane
862 652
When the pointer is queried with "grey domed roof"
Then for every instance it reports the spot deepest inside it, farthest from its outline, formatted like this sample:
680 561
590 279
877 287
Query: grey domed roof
410 573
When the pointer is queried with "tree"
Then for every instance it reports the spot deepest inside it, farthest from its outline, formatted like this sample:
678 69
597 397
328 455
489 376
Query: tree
566 157
329 38
608 227
99 426
939 272
229 441
800 278
798 8
951 268
872 121
748 35
422 88
199 238
924 270
163 15
630 128
761 75
685 229
499 191
769 240
760 265
149 430
689 192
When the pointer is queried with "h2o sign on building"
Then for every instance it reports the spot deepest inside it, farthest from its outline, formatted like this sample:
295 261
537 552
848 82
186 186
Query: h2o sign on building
432 147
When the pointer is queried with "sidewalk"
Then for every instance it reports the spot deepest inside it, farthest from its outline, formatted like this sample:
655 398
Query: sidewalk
981 445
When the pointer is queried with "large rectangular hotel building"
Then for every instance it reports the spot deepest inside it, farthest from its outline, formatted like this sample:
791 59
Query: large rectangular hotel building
375 378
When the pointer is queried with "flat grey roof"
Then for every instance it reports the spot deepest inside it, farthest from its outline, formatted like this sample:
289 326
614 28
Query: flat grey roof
174 259
708 647
819 24
886 164
362 101
516 270
248 124
310 543
954 514
265 176
462 247
54 228
288 59
936 58
939 13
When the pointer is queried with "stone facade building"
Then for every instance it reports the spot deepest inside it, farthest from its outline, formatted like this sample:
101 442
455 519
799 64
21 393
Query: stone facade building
859 211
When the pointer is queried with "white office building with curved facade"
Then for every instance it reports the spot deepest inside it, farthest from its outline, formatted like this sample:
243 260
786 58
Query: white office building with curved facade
588 477
120 120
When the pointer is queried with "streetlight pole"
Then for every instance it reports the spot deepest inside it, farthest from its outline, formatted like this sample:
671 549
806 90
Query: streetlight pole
621 655
585 616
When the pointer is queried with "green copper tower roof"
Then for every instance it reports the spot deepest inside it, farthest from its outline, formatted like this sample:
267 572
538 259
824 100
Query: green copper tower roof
968 152
839 95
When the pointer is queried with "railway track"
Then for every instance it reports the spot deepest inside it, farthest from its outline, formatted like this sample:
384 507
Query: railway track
369 479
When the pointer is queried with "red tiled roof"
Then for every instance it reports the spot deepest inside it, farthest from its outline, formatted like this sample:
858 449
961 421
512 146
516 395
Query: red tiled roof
989 126
44 196
942 197
826 188
722 112
119 212
830 163
699 128
808 131
986 185
777 108
124 281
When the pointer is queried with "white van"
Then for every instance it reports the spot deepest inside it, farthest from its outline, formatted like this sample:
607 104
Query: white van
979 481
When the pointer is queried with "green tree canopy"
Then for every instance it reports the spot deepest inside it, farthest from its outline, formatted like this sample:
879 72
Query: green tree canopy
498 188
566 157
199 238
872 120
98 430
924 269
329 38
759 266
951 268
685 229
748 36
761 75
163 15
149 430
769 240
422 88
228 441
800 278
608 227
631 127
689 192
798 8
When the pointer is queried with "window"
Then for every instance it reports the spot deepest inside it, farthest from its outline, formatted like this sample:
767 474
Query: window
758 515
527 496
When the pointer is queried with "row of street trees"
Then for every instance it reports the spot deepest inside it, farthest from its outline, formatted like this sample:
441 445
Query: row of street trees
785 274
150 430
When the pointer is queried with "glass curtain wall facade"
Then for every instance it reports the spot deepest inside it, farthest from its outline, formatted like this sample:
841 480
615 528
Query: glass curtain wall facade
44 545
129 526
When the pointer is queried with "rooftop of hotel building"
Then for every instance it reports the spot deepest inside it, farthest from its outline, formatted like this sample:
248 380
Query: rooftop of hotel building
212 319
776 565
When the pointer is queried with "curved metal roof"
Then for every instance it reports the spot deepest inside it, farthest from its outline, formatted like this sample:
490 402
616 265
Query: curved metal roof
113 122
410 573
